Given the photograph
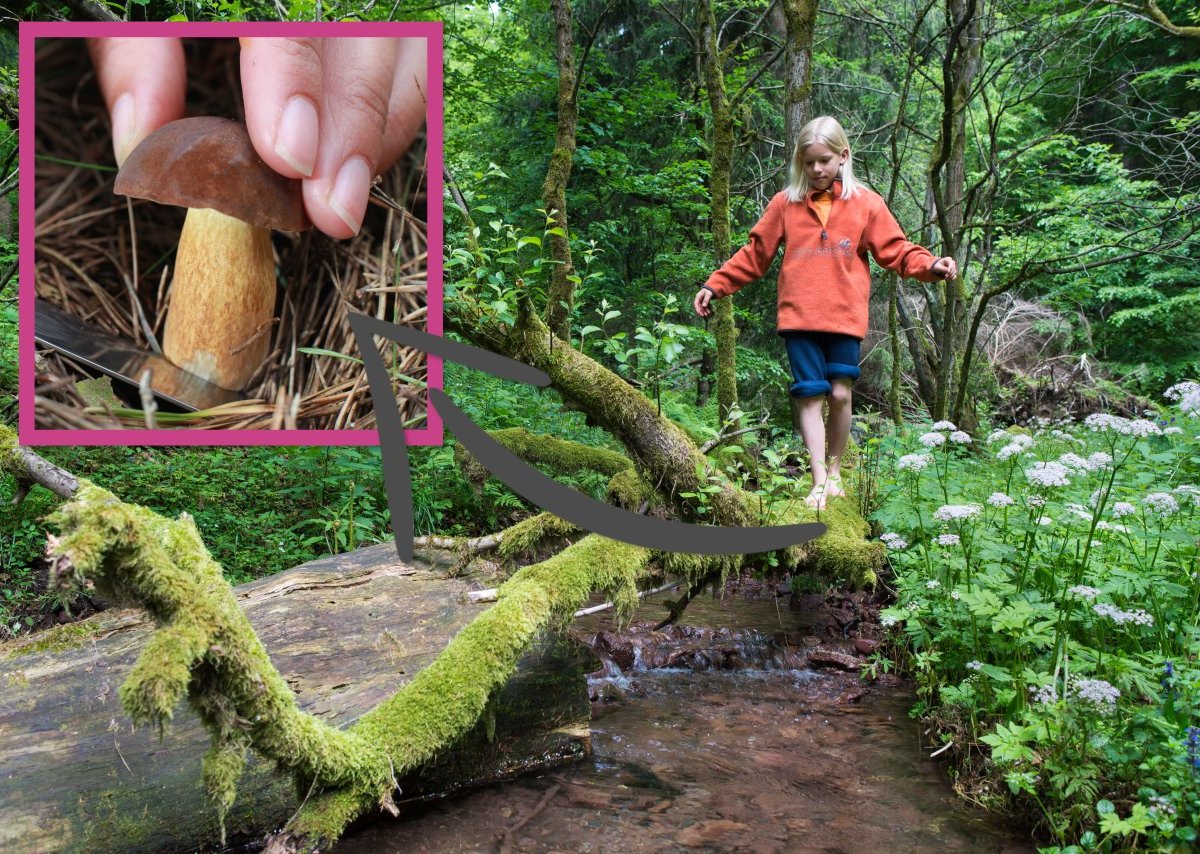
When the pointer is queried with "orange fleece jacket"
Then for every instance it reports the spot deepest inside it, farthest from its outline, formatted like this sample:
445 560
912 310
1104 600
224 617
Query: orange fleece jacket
825 282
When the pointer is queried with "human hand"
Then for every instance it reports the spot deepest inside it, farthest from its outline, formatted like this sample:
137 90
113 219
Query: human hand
332 112
700 303
945 267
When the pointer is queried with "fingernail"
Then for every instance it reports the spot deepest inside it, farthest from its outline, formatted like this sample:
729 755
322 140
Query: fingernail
296 135
348 198
124 127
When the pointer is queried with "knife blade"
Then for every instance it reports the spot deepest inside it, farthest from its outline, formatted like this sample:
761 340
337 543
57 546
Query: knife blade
97 349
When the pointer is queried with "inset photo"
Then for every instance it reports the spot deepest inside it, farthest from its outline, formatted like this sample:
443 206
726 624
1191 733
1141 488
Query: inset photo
210 207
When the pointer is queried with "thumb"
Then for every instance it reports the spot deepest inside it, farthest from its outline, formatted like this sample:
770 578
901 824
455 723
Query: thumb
143 82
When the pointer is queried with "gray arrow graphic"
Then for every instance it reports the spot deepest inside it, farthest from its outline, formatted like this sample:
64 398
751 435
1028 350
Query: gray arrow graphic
522 478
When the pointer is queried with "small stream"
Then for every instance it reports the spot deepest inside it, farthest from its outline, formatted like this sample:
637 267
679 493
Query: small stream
759 758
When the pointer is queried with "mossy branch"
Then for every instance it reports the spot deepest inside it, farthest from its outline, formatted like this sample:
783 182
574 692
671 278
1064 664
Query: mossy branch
560 455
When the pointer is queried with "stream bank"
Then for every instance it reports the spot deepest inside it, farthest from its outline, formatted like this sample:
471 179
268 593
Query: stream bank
734 744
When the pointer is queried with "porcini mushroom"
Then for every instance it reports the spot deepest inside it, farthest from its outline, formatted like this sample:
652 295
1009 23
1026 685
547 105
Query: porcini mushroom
223 292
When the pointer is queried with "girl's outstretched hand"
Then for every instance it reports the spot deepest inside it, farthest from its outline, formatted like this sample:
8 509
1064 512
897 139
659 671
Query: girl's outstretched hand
700 303
945 267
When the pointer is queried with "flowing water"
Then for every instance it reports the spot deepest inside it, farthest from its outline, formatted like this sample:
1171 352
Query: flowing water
718 759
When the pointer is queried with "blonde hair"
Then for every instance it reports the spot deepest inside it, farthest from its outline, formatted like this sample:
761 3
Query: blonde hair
829 132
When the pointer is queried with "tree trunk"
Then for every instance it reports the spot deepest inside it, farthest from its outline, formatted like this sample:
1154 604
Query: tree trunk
721 158
561 293
347 632
948 183
801 17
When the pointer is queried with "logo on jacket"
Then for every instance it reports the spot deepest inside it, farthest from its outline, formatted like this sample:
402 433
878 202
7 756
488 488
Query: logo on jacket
843 247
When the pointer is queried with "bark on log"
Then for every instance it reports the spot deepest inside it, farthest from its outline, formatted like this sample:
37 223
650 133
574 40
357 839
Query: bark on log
346 632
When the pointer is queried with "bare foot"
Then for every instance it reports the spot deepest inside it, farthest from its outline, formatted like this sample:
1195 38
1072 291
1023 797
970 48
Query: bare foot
816 498
834 487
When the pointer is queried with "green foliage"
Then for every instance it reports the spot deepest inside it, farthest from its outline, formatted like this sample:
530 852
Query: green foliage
1048 592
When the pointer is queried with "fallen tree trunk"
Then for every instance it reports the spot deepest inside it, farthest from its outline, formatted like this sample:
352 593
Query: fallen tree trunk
346 633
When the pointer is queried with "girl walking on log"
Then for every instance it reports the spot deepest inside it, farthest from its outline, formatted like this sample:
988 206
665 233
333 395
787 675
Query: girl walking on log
827 223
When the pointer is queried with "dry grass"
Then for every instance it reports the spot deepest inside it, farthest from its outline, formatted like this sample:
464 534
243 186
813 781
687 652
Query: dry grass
107 260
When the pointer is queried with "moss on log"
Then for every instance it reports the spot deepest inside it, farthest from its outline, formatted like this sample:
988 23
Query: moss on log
559 455
345 632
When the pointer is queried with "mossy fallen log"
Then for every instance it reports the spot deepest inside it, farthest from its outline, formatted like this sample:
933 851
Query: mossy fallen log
346 633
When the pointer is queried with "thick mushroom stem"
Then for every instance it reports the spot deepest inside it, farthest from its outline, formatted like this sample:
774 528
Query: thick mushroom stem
222 299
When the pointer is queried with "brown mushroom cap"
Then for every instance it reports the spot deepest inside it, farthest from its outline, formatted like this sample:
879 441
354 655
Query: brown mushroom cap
209 162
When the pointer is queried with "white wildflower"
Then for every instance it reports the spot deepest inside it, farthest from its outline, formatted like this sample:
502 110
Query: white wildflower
949 512
914 606
1083 591
1047 694
999 499
1036 501
1123 508
960 438
1186 491
932 440
1100 694
1181 390
974 665
997 435
1141 428
913 462
1045 520
1138 617
933 584
1074 461
1162 503
1190 404
1101 422
944 425
888 620
948 540
1172 430
1048 474
1099 460
895 542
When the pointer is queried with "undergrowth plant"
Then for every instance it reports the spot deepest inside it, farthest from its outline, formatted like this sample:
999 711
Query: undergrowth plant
1048 584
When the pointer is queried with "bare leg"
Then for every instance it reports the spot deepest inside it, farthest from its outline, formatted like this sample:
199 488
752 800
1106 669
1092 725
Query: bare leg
838 431
812 431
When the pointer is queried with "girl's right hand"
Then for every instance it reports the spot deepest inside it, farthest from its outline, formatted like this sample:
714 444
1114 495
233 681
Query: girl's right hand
700 303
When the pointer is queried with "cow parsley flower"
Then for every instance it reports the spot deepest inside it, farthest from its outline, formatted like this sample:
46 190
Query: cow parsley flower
1187 492
1181 390
888 620
933 584
1036 501
1083 591
932 440
1048 474
913 462
944 425
959 437
1162 503
949 512
1141 427
948 540
1046 694
974 665
997 435
1123 508
895 542
1138 617
955 595
1099 460
1100 694
999 499
1172 430
1102 422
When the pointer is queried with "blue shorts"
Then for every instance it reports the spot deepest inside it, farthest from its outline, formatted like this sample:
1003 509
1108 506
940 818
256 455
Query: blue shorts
817 358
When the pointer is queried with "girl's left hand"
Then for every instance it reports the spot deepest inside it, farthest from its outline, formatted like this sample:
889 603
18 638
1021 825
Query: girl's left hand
945 267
